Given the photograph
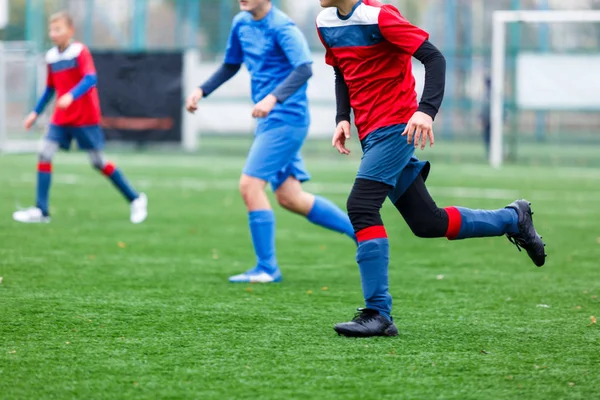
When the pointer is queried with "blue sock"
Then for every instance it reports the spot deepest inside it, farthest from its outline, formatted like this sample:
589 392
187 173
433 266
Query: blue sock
467 223
44 179
372 256
262 228
330 216
118 179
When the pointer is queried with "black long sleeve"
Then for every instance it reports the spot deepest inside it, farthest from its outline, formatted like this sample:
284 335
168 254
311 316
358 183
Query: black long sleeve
222 75
296 79
435 78
342 97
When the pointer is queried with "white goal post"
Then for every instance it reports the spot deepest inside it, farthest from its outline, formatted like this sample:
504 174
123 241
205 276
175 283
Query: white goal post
500 20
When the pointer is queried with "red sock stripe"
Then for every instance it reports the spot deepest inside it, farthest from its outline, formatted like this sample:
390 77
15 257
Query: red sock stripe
454 222
370 233
109 169
45 167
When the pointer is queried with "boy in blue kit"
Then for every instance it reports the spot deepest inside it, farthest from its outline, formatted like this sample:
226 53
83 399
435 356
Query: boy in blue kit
277 56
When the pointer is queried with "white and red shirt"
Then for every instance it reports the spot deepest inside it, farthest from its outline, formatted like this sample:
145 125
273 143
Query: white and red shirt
373 47
65 71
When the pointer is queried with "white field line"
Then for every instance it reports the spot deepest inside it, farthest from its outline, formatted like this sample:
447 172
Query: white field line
229 185
218 164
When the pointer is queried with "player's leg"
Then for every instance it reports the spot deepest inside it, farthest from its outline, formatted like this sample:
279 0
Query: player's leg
91 138
270 152
427 220
317 209
138 201
40 213
385 155
57 137
261 221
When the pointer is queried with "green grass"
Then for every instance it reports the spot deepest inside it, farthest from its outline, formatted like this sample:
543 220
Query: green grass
92 307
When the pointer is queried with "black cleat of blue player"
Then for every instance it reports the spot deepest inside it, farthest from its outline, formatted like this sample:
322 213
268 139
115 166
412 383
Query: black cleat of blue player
527 238
367 323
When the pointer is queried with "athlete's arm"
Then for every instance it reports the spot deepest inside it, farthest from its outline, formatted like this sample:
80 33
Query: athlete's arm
342 97
295 47
222 75
234 57
42 101
435 78
84 85
295 80
342 117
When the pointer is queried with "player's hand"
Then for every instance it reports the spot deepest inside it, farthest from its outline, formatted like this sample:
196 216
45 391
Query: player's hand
341 134
191 103
30 120
65 101
418 129
264 107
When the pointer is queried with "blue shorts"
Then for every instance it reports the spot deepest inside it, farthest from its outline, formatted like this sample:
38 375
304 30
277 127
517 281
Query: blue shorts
87 137
275 155
389 159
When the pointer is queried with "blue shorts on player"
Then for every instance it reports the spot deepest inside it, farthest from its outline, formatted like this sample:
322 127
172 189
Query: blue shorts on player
87 137
275 154
389 159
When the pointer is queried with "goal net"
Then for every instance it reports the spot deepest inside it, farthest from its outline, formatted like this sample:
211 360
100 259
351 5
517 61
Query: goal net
545 90
19 81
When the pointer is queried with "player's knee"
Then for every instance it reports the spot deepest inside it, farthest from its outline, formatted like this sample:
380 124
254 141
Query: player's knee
96 160
430 225
97 164
45 158
249 186
364 203
286 200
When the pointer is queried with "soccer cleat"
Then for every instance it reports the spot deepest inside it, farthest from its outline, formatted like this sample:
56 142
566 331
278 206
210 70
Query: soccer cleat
367 323
32 215
257 275
527 238
139 209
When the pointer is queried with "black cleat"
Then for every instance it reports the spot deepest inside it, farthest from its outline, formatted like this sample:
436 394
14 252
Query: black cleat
367 323
527 238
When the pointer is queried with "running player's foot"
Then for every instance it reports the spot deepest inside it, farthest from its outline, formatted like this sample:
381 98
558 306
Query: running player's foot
367 323
527 238
139 209
32 215
257 275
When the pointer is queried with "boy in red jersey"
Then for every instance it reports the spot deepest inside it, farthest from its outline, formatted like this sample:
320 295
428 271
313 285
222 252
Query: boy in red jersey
371 45
72 76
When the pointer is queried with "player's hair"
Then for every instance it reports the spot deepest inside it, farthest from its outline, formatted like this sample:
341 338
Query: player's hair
62 16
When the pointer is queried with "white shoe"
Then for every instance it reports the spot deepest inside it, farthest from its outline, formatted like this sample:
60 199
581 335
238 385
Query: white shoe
32 215
257 275
139 209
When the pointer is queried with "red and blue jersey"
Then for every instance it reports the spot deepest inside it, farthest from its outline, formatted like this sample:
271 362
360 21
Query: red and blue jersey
66 69
373 47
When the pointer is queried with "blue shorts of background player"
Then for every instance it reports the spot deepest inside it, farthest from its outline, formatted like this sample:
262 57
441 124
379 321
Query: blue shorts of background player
278 58
86 137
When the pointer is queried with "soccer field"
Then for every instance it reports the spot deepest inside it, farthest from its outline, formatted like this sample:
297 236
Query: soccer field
94 307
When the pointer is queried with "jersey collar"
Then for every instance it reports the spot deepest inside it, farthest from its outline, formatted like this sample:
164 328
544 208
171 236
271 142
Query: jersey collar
345 17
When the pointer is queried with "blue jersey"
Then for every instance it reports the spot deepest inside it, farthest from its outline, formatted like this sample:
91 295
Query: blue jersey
271 48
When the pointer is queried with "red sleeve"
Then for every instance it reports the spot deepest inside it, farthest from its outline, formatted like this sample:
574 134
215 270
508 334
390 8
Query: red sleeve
86 62
49 78
329 57
397 30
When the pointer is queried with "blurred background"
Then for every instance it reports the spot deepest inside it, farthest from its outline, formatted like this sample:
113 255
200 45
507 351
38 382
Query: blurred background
128 33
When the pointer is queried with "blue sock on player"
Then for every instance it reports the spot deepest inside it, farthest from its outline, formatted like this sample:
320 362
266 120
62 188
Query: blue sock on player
373 256
118 179
330 216
467 223
44 179
262 228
